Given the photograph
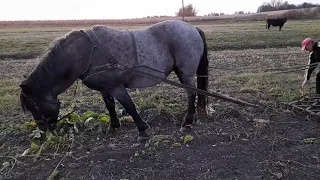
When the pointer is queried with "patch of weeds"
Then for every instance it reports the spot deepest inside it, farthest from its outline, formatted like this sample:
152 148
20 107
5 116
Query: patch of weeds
233 35
248 90
171 108
9 91
23 46
63 136
9 104
158 141
285 87
187 139
4 127
166 104
311 140
161 102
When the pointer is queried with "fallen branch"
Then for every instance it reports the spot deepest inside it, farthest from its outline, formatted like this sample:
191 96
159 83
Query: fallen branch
15 162
40 150
55 170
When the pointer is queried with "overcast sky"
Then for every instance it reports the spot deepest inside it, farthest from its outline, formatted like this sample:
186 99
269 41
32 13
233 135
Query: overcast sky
118 9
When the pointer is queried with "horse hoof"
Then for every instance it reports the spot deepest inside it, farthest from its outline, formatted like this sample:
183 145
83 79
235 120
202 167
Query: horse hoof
142 139
186 128
111 130
143 136
202 113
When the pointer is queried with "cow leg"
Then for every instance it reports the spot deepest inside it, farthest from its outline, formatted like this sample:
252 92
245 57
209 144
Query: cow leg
280 28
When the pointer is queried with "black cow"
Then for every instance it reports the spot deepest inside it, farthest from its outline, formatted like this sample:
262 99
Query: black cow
275 22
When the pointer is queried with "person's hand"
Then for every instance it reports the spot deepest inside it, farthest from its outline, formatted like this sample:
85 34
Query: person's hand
302 86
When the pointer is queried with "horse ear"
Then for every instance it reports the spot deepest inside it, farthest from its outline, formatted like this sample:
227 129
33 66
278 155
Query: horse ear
25 87
82 31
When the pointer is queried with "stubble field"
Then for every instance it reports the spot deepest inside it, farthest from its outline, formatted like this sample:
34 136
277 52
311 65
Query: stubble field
234 142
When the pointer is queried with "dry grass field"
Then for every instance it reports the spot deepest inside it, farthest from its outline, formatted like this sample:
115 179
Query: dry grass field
230 144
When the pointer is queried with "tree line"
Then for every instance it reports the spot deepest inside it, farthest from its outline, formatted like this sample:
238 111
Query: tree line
276 5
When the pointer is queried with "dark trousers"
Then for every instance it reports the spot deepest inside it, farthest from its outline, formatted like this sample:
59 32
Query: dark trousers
318 83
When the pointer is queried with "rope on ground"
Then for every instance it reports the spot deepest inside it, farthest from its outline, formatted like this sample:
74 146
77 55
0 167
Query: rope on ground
282 70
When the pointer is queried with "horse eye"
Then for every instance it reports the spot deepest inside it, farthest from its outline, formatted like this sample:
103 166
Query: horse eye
37 109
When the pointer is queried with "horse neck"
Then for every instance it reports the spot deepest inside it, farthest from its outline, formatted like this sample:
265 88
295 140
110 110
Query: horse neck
46 82
54 75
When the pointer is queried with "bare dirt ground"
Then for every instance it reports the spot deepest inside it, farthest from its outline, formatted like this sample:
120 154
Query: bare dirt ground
234 142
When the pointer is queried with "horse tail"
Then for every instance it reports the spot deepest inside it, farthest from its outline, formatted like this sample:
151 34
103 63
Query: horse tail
202 75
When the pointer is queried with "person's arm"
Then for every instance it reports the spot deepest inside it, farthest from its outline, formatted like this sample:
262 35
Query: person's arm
310 69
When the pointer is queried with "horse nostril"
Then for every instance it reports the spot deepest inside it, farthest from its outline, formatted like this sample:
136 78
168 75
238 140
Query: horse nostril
52 127
42 127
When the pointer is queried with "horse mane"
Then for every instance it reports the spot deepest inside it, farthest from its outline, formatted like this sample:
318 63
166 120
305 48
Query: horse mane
54 46
45 61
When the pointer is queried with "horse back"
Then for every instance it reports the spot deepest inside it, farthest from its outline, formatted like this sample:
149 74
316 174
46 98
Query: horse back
156 49
169 43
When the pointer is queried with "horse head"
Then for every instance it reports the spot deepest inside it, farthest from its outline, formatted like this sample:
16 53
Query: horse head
56 72
44 108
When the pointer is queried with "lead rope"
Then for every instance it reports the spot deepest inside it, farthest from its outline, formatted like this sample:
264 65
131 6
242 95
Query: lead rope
73 104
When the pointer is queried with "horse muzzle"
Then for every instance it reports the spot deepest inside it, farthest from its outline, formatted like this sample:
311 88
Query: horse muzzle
47 123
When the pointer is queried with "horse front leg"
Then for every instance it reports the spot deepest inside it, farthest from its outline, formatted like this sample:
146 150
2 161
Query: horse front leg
111 106
121 94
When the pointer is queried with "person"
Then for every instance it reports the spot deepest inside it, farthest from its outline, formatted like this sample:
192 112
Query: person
313 47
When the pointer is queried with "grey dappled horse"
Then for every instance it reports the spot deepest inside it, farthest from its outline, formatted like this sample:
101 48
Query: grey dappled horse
101 56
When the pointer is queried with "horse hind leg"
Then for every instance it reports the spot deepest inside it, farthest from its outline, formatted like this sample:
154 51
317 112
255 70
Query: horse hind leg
178 73
188 119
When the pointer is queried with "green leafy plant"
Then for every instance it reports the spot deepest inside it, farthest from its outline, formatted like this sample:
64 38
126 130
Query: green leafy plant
64 133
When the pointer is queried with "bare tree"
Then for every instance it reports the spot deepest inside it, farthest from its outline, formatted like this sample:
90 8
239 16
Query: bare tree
276 3
189 10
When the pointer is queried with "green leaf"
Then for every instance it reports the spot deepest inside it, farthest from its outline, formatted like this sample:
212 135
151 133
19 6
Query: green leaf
176 145
136 155
28 124
105 119
70 122
137 92
34 145
187 139
103 114
49 136
310 140
37 133
87 115
89 122
73 117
